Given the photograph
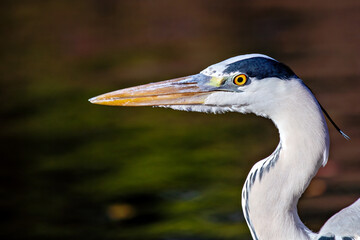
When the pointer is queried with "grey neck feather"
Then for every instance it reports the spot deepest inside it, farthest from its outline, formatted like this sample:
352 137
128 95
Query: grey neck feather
275 184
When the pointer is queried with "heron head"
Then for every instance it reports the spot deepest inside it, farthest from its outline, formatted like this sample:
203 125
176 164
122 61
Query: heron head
247 83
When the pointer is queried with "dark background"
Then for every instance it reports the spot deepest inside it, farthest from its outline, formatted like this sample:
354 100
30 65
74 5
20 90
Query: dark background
73 170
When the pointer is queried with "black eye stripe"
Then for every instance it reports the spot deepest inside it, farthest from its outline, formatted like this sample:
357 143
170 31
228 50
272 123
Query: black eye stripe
260 67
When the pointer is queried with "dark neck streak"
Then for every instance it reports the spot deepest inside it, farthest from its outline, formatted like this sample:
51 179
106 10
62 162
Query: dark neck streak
257 172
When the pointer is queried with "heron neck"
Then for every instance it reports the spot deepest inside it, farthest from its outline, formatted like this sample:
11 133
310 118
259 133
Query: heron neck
272 197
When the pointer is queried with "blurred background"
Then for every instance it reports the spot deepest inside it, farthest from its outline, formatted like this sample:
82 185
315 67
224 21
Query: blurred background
73 170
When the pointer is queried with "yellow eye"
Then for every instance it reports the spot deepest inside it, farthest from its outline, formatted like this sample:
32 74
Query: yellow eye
240 79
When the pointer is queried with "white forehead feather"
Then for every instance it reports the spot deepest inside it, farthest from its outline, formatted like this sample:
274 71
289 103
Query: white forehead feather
217 69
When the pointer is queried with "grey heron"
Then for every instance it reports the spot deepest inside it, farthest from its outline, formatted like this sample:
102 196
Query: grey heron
256 83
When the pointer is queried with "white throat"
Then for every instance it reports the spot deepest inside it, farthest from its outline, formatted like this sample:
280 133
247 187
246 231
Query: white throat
275 184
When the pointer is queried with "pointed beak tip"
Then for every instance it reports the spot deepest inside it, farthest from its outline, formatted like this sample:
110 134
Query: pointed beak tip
96 100
92 100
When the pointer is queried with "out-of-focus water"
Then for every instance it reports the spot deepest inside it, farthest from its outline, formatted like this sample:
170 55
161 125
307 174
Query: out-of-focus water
75 170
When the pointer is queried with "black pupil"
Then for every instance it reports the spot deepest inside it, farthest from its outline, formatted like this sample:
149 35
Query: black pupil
240 79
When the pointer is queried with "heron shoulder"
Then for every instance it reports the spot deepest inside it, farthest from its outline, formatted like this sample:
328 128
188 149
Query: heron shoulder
344 225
